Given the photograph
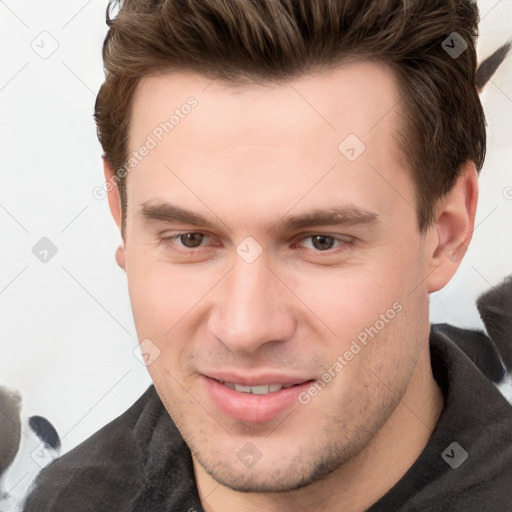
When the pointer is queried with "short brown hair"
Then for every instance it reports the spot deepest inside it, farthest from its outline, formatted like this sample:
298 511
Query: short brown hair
254 41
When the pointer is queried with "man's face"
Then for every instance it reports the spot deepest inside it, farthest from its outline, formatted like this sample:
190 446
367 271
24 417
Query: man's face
254 295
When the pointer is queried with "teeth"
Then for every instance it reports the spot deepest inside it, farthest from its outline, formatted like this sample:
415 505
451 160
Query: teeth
257 390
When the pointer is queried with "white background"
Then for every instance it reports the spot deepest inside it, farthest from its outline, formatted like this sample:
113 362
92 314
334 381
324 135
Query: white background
67 335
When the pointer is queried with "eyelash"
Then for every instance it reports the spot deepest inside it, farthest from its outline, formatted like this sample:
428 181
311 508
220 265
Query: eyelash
342 246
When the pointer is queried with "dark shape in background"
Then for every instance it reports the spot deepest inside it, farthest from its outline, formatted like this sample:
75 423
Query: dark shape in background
489 66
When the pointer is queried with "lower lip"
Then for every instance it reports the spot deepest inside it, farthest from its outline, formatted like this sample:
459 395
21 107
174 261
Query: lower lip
253 408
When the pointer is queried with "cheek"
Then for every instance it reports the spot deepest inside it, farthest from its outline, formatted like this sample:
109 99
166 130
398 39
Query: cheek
380 296
160 305
164 297
155 299
349 299
345 299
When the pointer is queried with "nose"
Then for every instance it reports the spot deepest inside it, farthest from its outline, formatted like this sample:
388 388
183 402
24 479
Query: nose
254 308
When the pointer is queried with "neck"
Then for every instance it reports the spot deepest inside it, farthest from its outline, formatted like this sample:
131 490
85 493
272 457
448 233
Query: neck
364 479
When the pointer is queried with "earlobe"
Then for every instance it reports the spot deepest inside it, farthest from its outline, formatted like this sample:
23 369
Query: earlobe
120 256
448 239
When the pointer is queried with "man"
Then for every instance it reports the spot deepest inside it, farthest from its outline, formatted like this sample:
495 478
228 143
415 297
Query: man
291 181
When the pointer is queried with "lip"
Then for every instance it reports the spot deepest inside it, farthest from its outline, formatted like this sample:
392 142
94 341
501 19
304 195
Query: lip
256 380
253 408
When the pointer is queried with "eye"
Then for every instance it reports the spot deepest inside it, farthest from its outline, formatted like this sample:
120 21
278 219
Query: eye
318 242
323 243
190 240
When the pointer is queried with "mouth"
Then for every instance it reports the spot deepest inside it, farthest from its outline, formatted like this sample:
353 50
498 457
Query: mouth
262 389
256 403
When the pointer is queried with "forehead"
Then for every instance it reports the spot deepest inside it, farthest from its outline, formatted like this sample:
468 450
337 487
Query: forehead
357 98
269 142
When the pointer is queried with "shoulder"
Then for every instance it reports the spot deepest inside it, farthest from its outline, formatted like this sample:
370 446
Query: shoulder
101 472
467 463
469 457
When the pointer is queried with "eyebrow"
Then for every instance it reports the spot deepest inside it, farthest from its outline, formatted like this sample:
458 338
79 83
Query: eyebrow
334 216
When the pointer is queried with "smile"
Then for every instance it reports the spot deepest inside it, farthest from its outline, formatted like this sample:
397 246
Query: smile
262 389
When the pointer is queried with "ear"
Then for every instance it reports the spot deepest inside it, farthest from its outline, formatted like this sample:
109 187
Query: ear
449 237
121 256
114 203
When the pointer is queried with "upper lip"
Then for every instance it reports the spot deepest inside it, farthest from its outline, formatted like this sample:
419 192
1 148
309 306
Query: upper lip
256 380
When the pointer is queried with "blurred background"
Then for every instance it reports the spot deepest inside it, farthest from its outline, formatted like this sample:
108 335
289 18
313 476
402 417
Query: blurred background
67 338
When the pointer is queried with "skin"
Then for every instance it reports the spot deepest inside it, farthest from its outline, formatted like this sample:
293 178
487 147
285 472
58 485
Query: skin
249 156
